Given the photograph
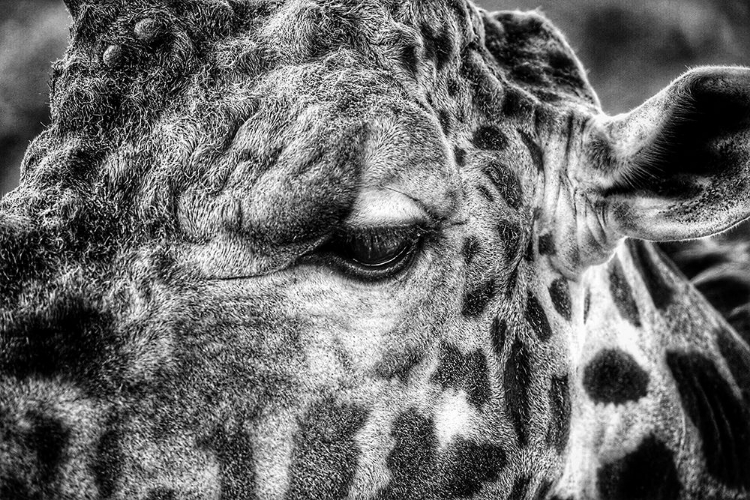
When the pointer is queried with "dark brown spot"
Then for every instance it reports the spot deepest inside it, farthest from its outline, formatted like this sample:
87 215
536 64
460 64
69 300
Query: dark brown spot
486 193
453 87
586 305
325 453
537 155
537 318
161 493
108 462
517 380
661 291
560 411
559 292
517 104
520 488
471 249
649 472
398 365
477 298
438 45
460 155
469 466
623 294
498 333
506 182
410 59
490 137
613 376
463 372
412 461
445 121
547 244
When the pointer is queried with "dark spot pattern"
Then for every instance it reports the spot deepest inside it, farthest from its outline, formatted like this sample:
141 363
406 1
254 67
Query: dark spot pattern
49 437
498 334
486 193
659 288
412 460
613 376
453 87
419 471
529 254
506 182
547 244
586 304
648 473
410 59
560 411
470 466
494 34
559 292
234 452
398 365
520 488
108 463
490 137
460 155
471 249
486 95
325 453
464 372
438 45
68 337
13 488
537 318
517 104
44 437
477 298
537 155
445 121
516 380
623 294
723 421
161 494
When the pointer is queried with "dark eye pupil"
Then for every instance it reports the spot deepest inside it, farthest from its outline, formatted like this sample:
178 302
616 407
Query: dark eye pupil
375 251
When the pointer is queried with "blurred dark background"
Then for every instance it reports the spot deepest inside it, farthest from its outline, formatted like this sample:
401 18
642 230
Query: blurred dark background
632 48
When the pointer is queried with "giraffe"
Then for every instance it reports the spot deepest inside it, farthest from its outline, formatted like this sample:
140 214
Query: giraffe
373 249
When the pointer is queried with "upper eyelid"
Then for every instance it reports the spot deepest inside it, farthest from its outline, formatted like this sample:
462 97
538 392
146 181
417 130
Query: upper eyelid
386 207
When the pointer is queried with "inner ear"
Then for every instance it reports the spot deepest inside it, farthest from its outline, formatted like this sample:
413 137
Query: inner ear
678 166
696 139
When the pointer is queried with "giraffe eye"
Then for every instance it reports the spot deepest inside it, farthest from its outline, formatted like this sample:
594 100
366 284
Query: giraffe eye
373 253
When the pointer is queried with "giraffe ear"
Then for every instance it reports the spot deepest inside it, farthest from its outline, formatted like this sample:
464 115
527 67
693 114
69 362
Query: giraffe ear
678 166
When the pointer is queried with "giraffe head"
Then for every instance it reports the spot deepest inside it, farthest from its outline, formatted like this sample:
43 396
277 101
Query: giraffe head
312 249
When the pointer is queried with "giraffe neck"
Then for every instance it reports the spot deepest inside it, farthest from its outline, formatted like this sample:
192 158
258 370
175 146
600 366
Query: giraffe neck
631 399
